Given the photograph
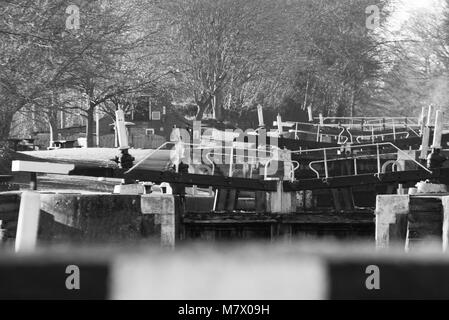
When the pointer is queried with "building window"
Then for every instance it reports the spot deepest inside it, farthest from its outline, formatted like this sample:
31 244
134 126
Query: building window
156 115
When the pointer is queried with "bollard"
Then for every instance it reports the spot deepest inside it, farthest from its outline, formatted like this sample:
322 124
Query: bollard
28 223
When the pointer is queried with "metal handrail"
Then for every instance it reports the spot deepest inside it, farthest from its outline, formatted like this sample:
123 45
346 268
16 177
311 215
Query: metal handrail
377 145
343 129
382 135
224 154
336 125
394 164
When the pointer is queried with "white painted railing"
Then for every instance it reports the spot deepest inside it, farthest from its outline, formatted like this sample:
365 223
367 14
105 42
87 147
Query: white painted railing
326 151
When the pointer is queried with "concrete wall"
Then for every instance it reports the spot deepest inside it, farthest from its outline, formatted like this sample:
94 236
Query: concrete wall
97 218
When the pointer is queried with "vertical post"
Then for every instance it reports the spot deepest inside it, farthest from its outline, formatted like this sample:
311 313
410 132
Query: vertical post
61 113
28 222
355 166
438 131
97 127
422 120
279 123
429 116
425 143
422 116
231 161
321 119
394 131
325 164
426 135
51 135
260 115
288 165
115 135
121 129
378 158
309 111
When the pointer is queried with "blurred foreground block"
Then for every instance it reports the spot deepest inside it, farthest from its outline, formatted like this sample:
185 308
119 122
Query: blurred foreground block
249 273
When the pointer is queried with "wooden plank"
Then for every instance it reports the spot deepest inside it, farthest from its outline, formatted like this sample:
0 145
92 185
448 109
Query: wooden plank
41 167
425 220
232 200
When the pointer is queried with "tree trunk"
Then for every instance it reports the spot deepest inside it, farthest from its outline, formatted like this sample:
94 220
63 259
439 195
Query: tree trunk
200 113
90 126
353 100
5 126
202 105
53 130
218 106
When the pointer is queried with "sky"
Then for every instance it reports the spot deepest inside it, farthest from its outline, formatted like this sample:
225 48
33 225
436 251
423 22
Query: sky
405 8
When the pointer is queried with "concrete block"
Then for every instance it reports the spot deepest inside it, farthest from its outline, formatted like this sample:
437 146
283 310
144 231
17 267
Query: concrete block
425 187
391 218
129 189
42 167
93 217
166 210
158 204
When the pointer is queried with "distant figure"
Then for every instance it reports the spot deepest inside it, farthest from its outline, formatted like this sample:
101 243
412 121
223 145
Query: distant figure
435 159
178 188
125 160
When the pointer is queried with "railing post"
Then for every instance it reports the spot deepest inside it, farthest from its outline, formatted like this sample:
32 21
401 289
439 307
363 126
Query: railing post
378 159
394 131
325 164
231 161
